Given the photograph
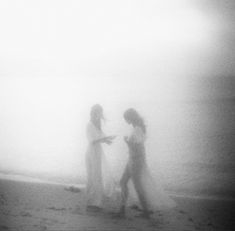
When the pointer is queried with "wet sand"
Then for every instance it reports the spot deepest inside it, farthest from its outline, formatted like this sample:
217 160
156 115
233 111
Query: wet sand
47 206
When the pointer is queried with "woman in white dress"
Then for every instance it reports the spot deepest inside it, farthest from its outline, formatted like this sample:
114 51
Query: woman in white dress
150 193
94 157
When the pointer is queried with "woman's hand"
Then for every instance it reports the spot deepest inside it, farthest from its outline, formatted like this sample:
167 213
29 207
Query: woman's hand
108 141
126 139
111 137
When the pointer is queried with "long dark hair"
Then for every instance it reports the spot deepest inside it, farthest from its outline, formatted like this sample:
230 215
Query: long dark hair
133 116
96 109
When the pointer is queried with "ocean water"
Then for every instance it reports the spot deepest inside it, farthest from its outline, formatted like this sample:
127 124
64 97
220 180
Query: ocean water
202 157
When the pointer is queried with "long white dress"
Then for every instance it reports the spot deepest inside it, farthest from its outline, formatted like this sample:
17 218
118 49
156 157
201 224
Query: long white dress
100 182
94 187
156 197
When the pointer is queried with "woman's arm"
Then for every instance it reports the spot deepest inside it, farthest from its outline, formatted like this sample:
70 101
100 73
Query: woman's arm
106 139
94 136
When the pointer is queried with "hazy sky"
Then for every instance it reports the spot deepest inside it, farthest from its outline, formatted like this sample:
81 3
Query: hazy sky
59 57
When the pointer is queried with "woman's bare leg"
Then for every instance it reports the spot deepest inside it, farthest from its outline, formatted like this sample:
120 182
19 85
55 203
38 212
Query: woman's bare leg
137 181
124 189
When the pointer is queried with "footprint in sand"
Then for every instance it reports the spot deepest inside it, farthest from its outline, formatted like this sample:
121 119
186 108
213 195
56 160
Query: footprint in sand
46 221
42 227
2 200
4 227
155 224
26 214
101 213
210 224
190 219
73 189
56 209
182 211
76 210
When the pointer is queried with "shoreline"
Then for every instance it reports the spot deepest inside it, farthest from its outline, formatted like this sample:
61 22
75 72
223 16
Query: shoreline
22 178
38 205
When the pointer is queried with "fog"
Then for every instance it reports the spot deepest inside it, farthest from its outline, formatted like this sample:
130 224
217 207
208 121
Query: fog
172 61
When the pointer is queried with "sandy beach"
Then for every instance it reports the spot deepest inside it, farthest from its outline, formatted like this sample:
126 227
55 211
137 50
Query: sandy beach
27 205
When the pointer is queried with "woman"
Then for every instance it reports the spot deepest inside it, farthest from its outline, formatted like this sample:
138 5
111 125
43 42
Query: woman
150 194
94 157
